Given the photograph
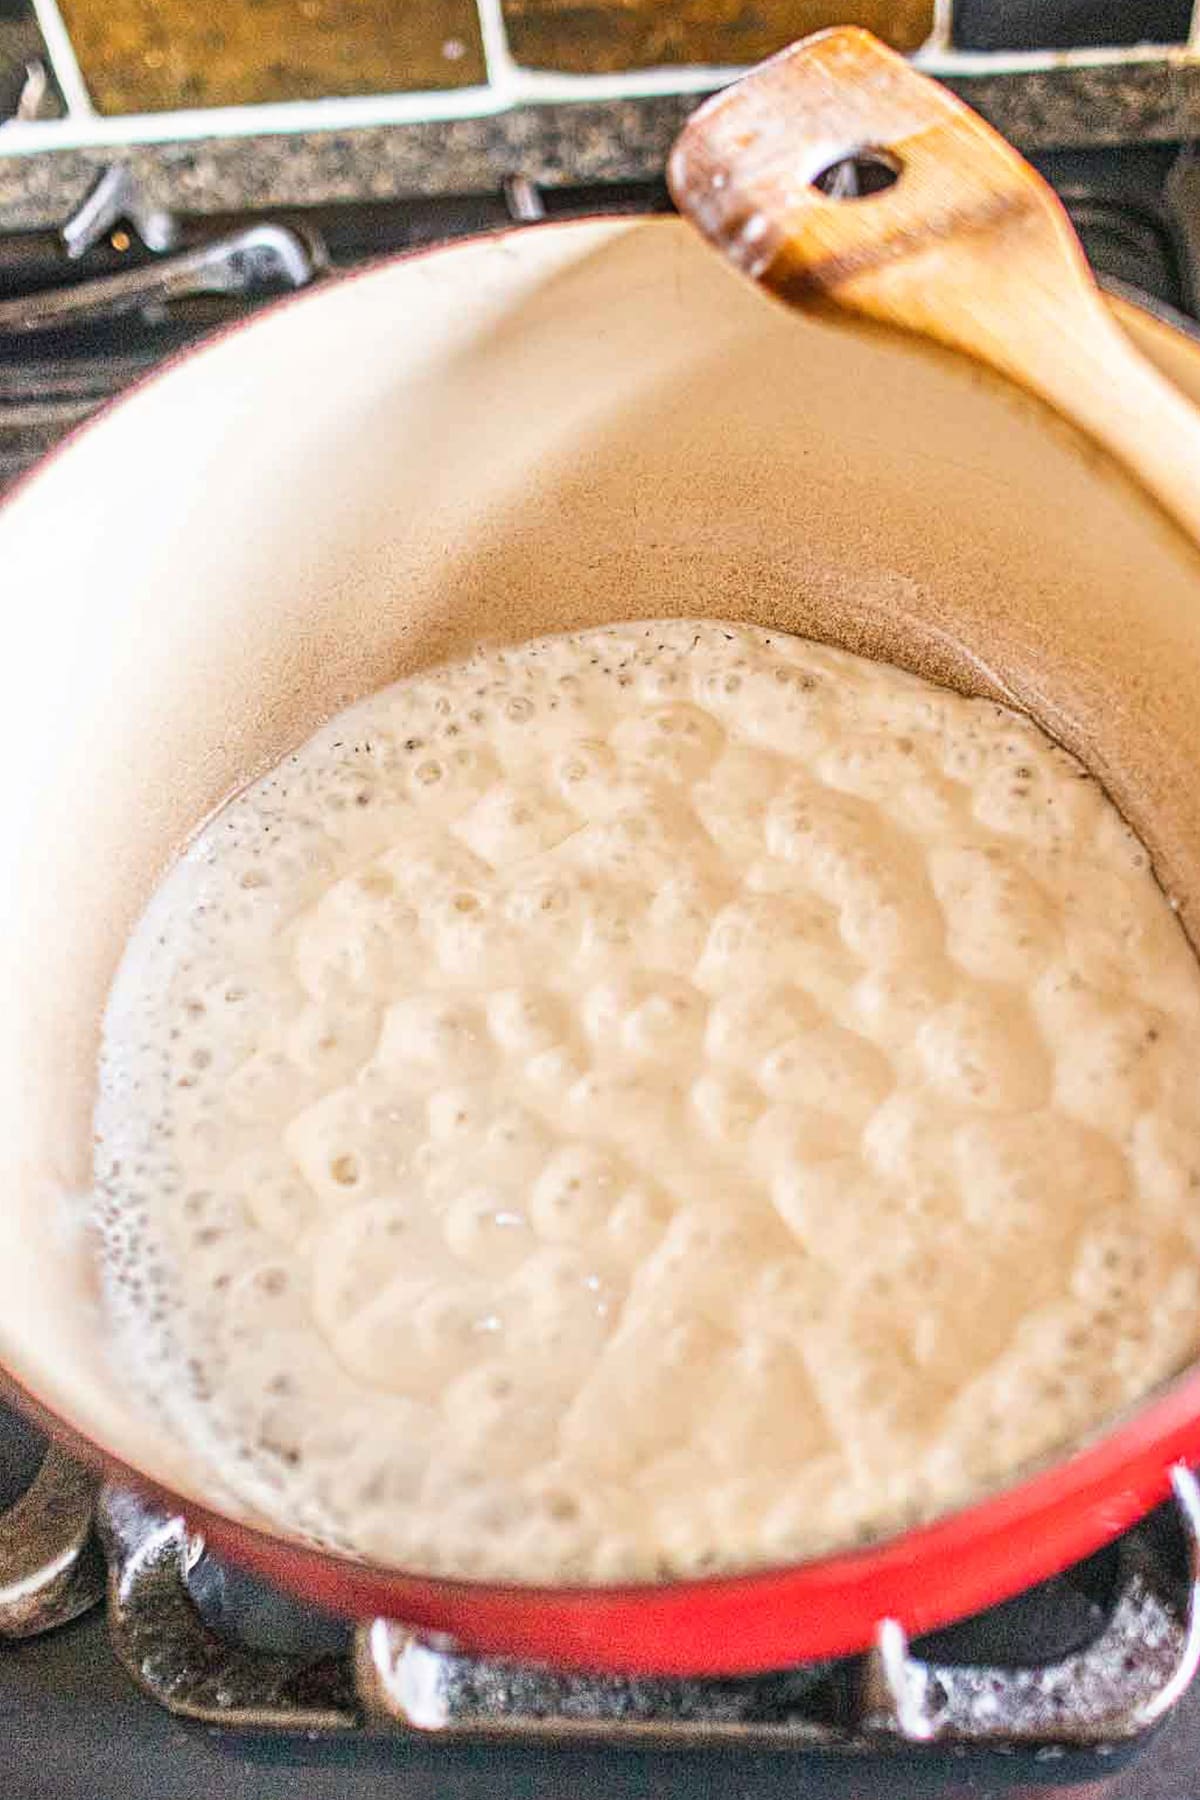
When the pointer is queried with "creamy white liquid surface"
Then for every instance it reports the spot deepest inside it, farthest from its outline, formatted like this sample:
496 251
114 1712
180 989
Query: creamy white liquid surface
671 1098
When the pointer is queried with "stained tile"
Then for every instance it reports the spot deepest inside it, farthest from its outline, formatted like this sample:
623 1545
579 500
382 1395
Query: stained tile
1058 24
600 36
153 55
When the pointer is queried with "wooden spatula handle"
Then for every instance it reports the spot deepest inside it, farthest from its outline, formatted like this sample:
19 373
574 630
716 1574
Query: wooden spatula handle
968 246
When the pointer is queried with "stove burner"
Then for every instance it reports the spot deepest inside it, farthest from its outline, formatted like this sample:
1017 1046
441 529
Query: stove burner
1109 1691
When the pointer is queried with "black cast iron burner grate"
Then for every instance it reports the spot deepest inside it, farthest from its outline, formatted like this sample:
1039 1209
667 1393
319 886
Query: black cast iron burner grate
969 1687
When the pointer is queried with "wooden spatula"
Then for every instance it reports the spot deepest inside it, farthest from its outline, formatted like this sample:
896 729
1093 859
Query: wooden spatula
967 245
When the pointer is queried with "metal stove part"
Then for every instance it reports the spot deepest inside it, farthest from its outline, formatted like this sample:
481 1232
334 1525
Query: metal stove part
524 200
1110 1692
51 1569
163 1642
1121 1685
116 199
30 84
262 257
405 1680
28 90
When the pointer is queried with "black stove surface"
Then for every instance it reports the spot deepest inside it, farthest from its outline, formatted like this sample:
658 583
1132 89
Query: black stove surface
73 1725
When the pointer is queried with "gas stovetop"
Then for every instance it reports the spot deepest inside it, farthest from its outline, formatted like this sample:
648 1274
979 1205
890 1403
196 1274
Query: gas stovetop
86 310
136 1665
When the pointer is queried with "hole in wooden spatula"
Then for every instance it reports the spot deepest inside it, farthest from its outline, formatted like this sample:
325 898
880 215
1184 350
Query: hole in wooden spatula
858 176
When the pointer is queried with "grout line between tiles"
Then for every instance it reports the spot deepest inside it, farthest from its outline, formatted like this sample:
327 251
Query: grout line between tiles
935 60
497 56
941 35
63 60
510 86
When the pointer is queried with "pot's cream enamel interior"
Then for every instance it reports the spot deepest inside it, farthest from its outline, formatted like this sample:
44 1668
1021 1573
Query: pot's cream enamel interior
542 430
